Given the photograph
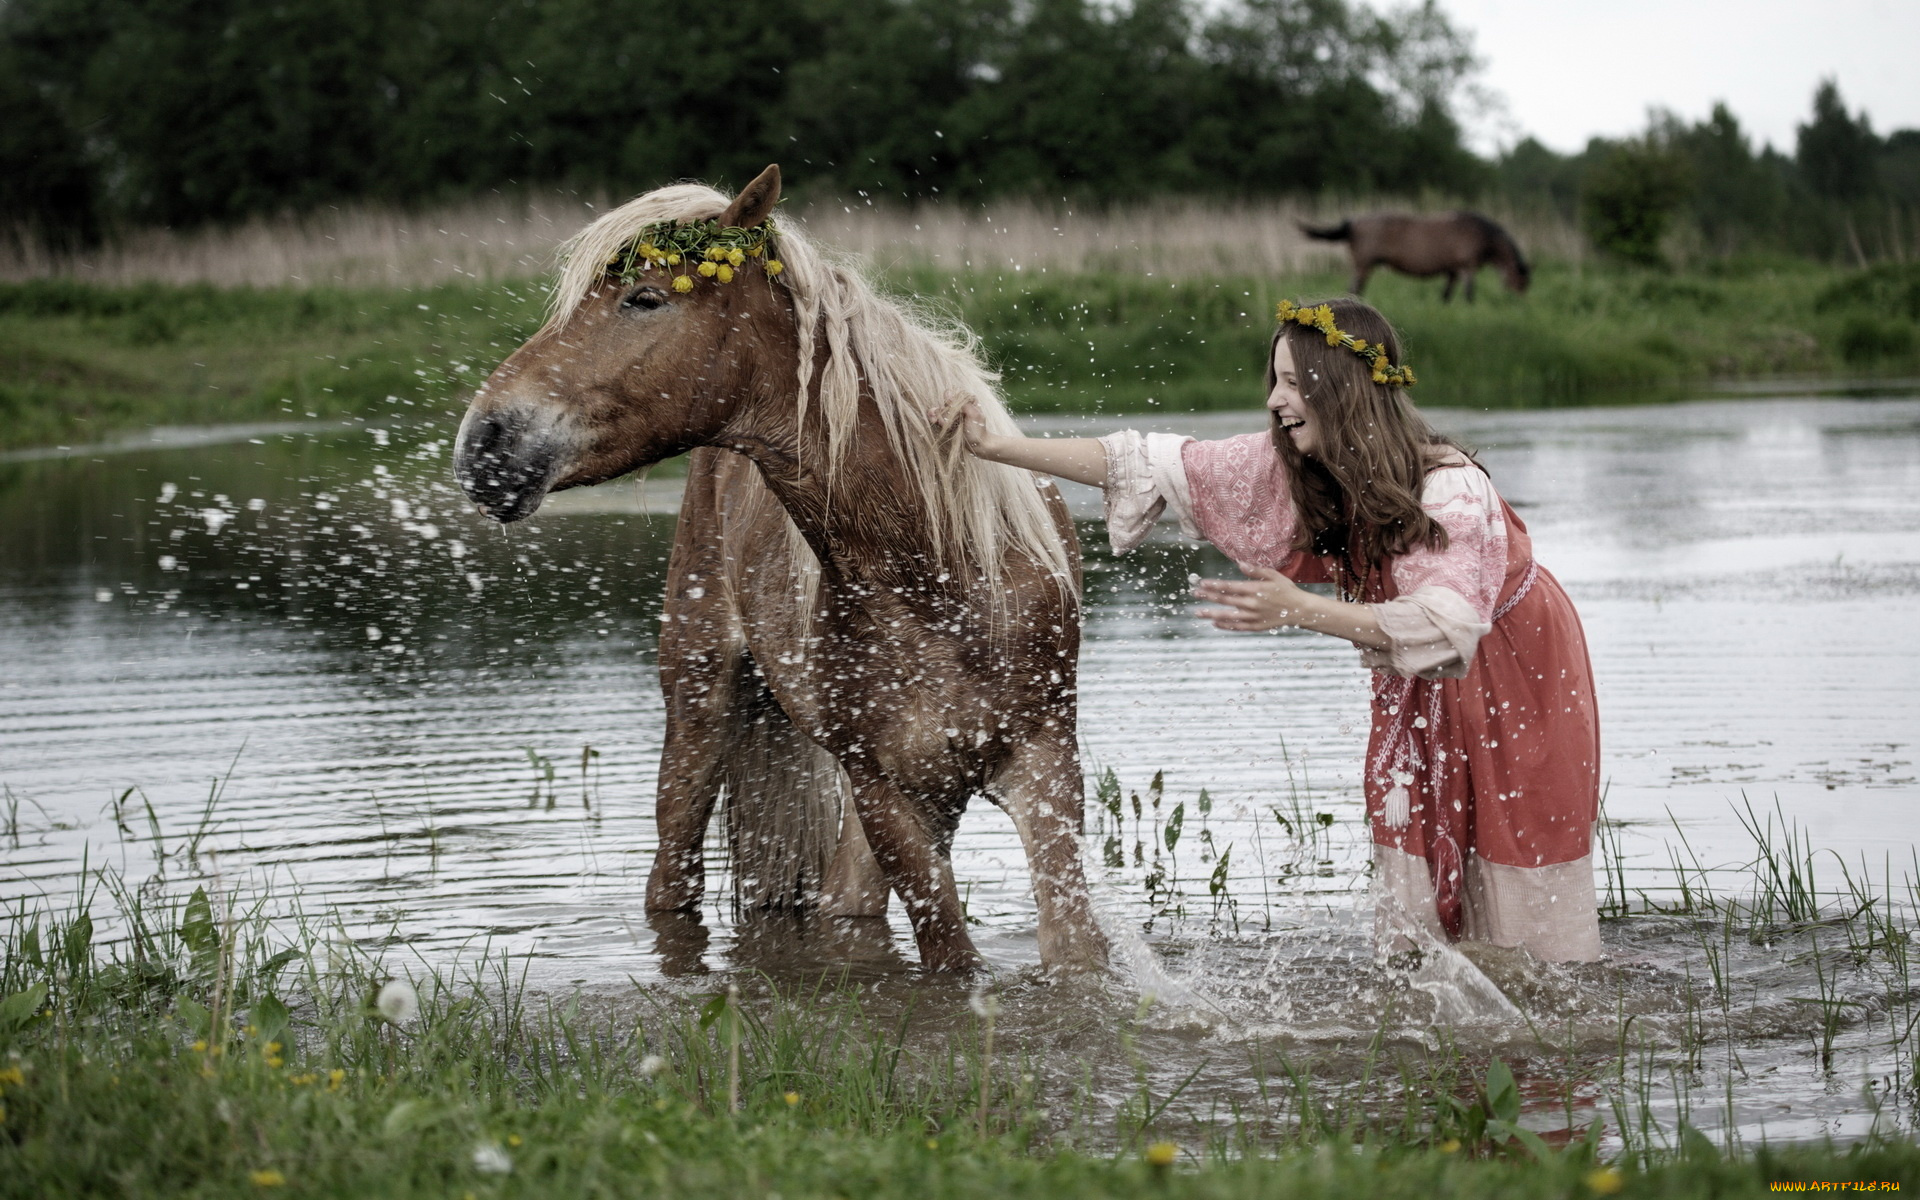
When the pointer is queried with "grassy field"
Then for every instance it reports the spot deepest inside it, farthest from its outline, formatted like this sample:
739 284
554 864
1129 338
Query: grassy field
196 1058
81 362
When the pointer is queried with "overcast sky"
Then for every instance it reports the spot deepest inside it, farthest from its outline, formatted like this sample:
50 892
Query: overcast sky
1567 70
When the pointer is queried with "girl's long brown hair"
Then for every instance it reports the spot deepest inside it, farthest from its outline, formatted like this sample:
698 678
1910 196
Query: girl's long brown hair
1358 494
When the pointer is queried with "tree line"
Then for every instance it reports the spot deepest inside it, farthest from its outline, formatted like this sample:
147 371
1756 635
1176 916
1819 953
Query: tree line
120 113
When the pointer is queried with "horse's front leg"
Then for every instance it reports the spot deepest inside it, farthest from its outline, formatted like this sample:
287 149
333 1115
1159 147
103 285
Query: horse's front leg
1361 273
1446 293
1041 790
909 842
1472 276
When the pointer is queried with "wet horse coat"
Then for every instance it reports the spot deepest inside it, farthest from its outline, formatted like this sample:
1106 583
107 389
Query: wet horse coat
864 627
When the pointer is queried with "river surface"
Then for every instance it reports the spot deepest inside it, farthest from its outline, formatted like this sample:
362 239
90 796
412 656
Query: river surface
290 661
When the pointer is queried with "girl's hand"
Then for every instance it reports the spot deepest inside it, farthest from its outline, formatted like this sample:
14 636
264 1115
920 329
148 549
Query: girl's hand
963 411
1266 599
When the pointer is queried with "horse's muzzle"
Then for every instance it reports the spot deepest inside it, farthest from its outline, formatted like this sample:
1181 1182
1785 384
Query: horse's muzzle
503 470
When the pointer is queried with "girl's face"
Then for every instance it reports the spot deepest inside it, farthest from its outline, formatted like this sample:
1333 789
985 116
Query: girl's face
1288 406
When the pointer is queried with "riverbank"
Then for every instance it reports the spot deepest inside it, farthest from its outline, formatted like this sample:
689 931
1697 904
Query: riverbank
79 363
199 1057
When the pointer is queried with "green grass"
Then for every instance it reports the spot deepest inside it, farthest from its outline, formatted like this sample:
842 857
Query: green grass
171 1065
80 363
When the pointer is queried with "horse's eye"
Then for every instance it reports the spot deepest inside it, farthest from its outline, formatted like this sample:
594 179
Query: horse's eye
644 298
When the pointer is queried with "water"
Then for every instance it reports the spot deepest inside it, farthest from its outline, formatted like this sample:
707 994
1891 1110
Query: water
290 660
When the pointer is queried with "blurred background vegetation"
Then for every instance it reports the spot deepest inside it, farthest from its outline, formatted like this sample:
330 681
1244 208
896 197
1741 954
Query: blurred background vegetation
127 113
222 211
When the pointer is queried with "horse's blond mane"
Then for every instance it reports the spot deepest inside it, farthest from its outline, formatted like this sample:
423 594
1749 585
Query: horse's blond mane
910 360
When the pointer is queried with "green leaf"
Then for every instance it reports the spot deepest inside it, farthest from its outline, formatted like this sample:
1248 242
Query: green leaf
18 1010
1527 1138
79 943
713 1009
270 967
1697 1147
270 1017
410 1115
30 946
1503 1096
1174 821
197 931
1218 883
195 1015
1204 803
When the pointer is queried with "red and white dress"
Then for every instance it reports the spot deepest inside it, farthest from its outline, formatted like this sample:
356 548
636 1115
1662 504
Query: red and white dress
1483 766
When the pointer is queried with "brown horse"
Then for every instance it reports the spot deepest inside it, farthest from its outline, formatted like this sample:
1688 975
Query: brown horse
1453 244
857 609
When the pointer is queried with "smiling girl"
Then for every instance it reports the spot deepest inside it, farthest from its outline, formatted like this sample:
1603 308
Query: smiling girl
1482 767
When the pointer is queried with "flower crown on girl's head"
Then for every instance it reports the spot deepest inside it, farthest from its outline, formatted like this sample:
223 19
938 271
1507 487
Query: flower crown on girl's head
1320 317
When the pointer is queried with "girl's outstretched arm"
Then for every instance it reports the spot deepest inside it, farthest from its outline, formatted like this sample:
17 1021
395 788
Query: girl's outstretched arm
1083 460
1266 599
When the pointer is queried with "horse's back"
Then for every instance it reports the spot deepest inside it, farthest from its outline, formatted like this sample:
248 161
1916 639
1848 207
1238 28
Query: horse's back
1421 244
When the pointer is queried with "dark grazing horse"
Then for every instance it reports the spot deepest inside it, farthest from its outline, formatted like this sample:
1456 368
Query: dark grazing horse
865 625
1453 244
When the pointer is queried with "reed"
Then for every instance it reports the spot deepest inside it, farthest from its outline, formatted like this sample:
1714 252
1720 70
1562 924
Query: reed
511 238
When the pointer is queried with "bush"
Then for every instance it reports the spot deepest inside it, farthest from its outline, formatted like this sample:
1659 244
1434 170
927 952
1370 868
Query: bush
1628 199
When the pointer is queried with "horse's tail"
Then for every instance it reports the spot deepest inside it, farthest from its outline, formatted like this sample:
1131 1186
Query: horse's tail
1342 232
781 801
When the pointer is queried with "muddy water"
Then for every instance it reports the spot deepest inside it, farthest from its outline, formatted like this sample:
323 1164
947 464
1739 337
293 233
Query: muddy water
290 660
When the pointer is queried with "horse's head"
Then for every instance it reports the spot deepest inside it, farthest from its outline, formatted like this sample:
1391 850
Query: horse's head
625 374
1514 270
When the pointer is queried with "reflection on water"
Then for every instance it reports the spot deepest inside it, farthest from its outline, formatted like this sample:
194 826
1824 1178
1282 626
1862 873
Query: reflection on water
295 660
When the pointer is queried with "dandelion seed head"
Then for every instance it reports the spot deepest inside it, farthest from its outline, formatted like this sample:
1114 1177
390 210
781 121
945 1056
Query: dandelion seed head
397 1001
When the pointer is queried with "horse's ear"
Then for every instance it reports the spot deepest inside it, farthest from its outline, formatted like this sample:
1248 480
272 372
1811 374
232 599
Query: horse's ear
755 202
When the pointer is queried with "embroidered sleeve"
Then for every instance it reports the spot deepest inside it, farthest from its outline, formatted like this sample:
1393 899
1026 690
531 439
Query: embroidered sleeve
1446 597
1144 478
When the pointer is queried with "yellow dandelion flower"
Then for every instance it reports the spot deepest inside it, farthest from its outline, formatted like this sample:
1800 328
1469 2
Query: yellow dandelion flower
335 1078
933 1143
1162 1154
707 269
1406 376
513 1139
267 1178
724 274
1283 311
200 1047
774 266
1333 339
1450 1146
13 1077
673 260
716 253
1359 345
736 256
792 1098
1605 1181
274 1061
683 283
756 252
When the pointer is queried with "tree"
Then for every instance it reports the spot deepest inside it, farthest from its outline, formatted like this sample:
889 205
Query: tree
1629 196
1835 153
